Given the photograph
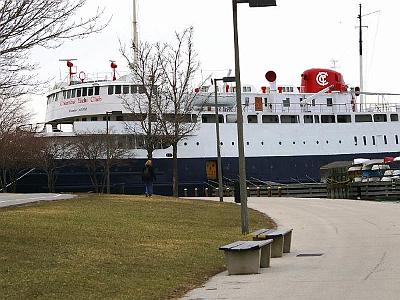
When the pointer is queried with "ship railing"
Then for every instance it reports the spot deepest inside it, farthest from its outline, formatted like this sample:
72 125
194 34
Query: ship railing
297 108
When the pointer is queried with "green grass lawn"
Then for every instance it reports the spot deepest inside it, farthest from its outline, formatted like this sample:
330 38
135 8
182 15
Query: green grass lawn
115 247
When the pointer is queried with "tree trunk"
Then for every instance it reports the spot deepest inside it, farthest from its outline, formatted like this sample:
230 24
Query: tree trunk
175 169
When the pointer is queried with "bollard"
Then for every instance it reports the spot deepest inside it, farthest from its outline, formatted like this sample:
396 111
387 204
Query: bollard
258 191
269 191
279 191
185 192
228 192
195 192
206 191
216 192
248 191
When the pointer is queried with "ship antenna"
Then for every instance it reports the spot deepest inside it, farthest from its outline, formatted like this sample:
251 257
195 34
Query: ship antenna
135 32
361 52
71 73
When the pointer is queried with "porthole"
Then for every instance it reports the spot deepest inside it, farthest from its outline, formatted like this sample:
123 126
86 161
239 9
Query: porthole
294 143
327 142
197 143
262 143
233 143
185 143
317 142
221 143
340 141
280 143
247 143
304 142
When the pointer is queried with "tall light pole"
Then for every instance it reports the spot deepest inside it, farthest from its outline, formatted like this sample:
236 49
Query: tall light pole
219 163
242 165
109 113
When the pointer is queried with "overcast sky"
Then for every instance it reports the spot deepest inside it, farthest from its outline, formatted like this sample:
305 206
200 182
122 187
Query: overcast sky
289 38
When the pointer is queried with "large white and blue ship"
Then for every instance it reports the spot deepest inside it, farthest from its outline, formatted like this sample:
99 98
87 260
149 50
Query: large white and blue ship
290 131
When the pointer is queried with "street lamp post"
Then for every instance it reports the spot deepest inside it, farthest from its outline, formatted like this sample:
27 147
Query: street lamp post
109 113
242 165
219 163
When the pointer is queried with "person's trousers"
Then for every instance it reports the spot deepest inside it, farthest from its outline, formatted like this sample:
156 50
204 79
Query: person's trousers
149 188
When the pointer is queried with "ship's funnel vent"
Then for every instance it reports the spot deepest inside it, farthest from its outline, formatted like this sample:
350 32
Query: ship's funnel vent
315 80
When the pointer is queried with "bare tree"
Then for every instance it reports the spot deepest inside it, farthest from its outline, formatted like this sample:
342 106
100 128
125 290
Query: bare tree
27 24
92 149
16 156
48 153
176 104
146 70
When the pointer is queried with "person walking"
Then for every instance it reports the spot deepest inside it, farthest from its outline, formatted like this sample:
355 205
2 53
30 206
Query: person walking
148 177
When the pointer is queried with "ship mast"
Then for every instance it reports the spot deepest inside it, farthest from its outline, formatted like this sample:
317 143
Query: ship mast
135 37
361 60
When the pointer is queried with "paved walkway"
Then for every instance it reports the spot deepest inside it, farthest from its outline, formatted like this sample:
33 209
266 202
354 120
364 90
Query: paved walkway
9 199
360 242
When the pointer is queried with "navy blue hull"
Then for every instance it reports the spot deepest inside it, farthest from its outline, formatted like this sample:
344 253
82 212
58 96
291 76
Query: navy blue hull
126 175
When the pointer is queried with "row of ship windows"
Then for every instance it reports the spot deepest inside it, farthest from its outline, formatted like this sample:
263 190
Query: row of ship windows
95 91
364 139
210 118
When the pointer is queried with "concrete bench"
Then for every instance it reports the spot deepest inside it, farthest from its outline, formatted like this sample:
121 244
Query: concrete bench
282 239
246 257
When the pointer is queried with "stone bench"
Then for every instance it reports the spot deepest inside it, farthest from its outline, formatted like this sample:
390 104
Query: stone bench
282 239
246 257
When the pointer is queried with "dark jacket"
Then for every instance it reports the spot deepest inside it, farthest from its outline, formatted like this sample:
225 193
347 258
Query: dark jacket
148 174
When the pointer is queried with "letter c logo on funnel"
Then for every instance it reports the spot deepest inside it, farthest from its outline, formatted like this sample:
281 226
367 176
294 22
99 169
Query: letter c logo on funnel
321 78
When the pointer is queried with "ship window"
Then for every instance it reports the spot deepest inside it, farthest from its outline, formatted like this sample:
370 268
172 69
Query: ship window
365 140
73 93
262 143
308 119
363 118
64 95
265 102
344 119
141 89
397 139
270 119
119 118
125 89
205 118
247 143
110 89
68 94
93 119
327 119
373 140
117 89
84 119
97 90
289 119
380 118
84 91
355 141
394 117
329 102
133 89
286 102
78 92
246 89
233 143
231 118
385 139
280 143
252 119
313 103
90 91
